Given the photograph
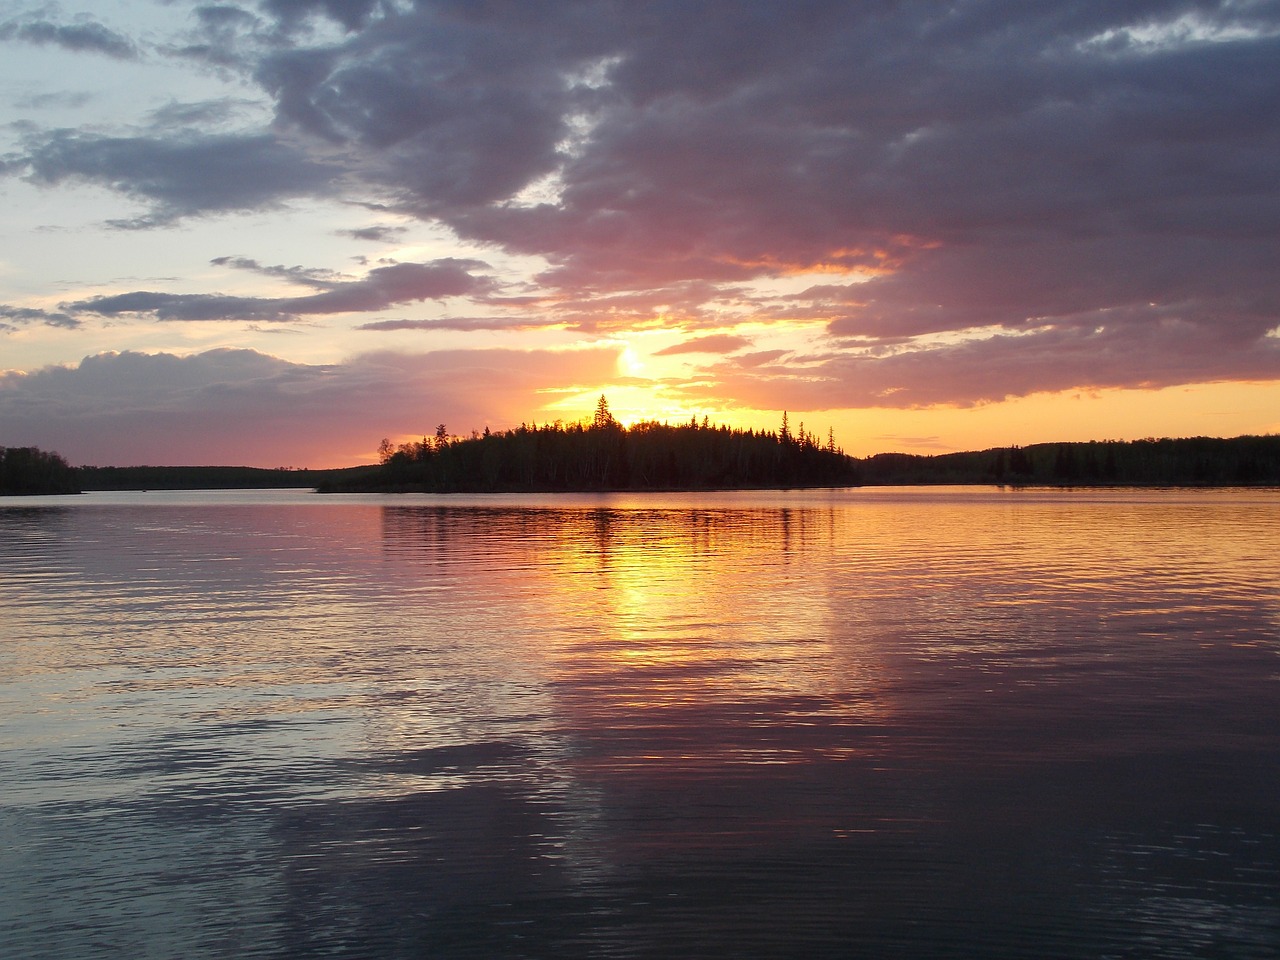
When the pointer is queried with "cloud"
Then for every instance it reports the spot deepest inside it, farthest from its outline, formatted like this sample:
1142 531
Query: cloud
377 233
224 37
29 315
350 13
180 176
449 111
460 323
714 343
986 199
1147 352
382 287
84 36
55 99
305 276
245 407
996 167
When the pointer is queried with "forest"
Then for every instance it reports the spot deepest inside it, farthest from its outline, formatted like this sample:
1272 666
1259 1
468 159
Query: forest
30 470
602 454
605 455
1192 461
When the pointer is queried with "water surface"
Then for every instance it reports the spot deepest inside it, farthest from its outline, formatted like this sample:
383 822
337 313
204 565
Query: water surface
884 723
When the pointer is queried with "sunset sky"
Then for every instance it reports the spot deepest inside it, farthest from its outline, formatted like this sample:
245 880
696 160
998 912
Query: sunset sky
274 232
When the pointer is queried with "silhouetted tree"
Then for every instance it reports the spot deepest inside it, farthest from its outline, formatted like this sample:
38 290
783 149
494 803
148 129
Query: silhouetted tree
604 455
30 470
603 419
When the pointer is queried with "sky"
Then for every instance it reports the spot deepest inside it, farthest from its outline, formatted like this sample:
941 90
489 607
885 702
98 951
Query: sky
273 232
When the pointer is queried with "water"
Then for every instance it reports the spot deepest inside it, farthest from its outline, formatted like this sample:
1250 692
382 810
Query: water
882 723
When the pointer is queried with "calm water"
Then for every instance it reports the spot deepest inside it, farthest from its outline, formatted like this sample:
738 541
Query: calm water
882 723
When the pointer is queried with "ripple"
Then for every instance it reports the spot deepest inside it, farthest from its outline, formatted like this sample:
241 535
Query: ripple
899 723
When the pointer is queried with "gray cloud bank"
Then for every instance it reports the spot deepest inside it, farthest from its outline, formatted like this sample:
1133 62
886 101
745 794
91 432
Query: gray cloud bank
1019 169
243 407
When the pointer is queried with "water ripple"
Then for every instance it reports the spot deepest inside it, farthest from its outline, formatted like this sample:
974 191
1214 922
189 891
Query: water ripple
891 723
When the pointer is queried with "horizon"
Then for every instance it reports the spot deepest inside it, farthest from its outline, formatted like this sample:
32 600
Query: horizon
274 231
583 422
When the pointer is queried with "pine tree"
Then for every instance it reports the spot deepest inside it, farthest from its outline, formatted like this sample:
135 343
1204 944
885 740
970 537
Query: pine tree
603 419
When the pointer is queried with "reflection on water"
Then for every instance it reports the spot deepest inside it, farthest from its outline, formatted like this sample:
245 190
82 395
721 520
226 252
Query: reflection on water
832 723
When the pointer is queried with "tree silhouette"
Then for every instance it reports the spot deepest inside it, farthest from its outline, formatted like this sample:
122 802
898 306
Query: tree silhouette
30 470
603 420
604 455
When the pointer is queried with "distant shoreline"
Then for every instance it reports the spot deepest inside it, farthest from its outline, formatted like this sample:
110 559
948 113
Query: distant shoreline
1197 462
1204 462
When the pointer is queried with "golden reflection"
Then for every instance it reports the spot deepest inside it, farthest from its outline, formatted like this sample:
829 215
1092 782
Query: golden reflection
656 628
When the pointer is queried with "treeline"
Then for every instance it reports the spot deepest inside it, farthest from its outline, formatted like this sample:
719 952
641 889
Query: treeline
1193 461
27 471
203 478
604 455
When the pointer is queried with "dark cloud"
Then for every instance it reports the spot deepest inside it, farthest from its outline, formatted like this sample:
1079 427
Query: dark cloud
1145 351
225 37
377 233
84 36
382 287
1037 172
28 315
240 406
181 176
453 107
1007 166
400 283
184 306
713 343
1221 282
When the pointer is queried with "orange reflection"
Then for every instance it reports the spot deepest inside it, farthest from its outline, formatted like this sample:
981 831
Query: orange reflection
683 636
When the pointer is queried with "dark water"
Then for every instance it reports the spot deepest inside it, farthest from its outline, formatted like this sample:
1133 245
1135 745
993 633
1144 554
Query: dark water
879 723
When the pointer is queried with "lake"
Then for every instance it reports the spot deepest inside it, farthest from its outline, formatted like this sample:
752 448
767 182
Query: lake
947 722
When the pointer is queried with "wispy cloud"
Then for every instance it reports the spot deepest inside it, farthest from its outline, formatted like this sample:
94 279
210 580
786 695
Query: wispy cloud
82 36
713 343
20 316
382 287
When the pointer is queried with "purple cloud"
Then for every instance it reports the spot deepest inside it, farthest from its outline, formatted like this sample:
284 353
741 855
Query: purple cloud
1155 351
382 287
245 407
713 343
1012 178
